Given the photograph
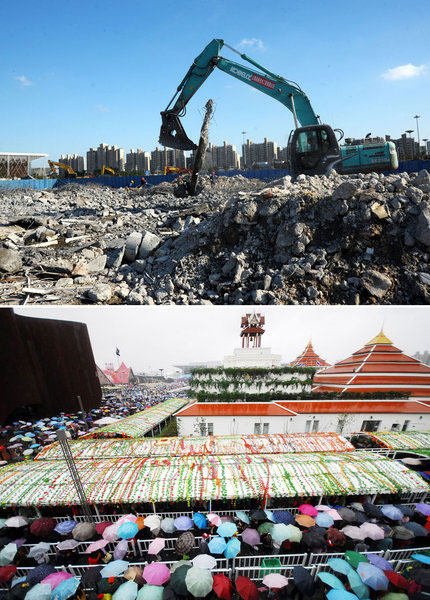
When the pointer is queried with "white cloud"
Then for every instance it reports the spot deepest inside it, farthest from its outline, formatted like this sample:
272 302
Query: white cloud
23 80
404 72
252 42
101 108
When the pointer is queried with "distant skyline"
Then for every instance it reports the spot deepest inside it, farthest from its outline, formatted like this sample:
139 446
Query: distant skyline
150 338
94 72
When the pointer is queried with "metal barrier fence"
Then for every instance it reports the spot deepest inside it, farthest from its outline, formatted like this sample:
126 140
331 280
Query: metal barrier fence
123 181
257 573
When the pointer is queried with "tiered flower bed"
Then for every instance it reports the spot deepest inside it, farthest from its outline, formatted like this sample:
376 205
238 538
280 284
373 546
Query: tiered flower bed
206 477
197 446
139 424
403 440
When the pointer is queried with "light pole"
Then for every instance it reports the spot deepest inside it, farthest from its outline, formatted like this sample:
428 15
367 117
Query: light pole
68 457
418 133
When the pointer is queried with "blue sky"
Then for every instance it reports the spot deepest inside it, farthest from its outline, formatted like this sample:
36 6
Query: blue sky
75 74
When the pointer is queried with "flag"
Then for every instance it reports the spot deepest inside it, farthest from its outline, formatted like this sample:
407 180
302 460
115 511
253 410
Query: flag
117 352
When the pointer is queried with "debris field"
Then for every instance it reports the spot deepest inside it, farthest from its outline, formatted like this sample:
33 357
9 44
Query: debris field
359 239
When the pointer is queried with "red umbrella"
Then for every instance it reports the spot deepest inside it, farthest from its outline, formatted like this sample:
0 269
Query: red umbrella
222 586
400 581
100 527
7 572
336 536
43 526
246 588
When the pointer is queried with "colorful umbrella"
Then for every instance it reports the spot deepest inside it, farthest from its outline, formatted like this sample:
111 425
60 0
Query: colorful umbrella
41 591
357 586
114 568
16 522
222 586
111 533
398 580
200 520
372 531
156 573
251 536
39 550
353 558
84 531
128 530
183 523
214 519
340 595
199 582
150 592
242 516
265 528
65 526
66 589
42 526
233 548
100 527
423 508
56 578
336 537
424 558
68 545
354 532
283 516
246 588
280 532
177 580
324 520
7 572
185 543
227 529
305 520
126 591
308 509
380 562
204 561
39 573
154 523
168 525
217 545
275 581
7 554
392 512
98 545
156 546
339 565
372 576
121 550
331 580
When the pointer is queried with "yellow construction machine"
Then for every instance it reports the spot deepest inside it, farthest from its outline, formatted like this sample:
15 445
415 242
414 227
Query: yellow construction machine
177 170
68 168
105 168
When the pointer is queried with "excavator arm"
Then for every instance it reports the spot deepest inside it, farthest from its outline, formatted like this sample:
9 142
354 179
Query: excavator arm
288 93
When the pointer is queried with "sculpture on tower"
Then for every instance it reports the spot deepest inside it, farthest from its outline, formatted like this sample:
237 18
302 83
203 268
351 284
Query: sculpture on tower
252 330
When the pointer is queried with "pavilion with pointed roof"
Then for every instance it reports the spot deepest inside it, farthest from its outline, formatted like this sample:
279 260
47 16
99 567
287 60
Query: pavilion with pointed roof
309 358
376 367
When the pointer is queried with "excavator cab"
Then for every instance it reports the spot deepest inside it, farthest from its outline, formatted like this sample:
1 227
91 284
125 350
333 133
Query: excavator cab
313 150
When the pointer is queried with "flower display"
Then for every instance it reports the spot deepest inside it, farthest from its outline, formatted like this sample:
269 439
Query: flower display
140 423
207 477
199 446
402 440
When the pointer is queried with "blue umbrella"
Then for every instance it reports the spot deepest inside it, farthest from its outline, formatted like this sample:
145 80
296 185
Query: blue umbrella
393 513
30 434
114 568
200 520
65 589
341 595
270 516
324 520
36 575
357 586
331 580
217 545
227 529
416 528
183 523
232 549
128 530
65 526
283 516
339 565
34 445
379 562
422 558
19 580
372 576
242 516
126 591
41 591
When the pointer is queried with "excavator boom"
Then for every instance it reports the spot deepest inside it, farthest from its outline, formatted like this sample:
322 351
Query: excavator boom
172 133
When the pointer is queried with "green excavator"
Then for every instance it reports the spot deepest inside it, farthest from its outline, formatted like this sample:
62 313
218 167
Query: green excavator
313 147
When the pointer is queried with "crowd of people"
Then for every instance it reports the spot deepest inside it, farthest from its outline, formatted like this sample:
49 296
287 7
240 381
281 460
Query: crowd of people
23 439
47 553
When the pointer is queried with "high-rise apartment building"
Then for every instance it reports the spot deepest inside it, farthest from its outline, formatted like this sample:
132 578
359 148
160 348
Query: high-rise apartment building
222 157
73 160
166 157
266 152
407 147
110 156
137 161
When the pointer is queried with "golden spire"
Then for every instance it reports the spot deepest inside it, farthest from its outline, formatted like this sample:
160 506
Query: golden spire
381 338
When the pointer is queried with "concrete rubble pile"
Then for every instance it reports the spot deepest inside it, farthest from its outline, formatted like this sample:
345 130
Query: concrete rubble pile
355 239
